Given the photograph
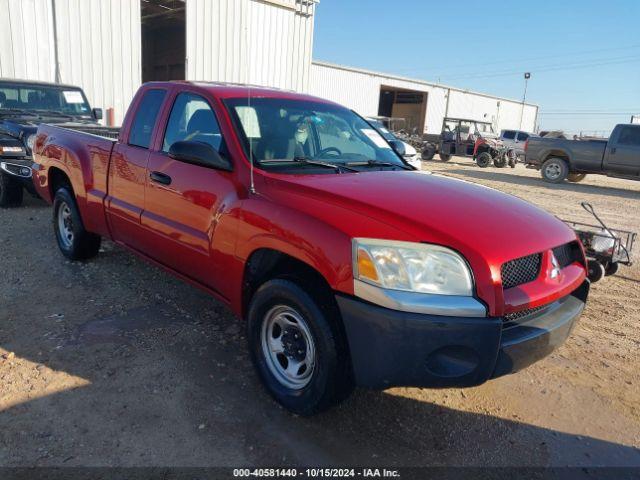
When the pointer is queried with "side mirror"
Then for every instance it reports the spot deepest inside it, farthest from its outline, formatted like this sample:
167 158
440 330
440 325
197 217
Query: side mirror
398 147
97 113
199 153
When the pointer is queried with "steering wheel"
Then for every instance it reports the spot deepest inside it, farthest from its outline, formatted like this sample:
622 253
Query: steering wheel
327 150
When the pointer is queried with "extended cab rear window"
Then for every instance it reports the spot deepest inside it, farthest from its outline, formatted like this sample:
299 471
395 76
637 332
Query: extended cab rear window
145 118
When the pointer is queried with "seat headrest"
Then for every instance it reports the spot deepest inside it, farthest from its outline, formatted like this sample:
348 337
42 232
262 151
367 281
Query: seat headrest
203 120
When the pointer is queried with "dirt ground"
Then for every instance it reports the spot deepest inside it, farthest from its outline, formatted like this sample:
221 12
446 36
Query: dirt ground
115 363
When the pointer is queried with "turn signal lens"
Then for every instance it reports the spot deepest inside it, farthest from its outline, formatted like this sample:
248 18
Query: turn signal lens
366 268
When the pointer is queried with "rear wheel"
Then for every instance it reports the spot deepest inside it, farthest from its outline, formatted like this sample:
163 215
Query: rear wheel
428 152
576 177
611 269
595 270
297 348
554 170
74 241
484 159
10 191
445 157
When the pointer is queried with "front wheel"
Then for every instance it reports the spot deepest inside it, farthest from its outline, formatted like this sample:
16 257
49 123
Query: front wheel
445 157
74 241
595 270
297 348
500 161
10 191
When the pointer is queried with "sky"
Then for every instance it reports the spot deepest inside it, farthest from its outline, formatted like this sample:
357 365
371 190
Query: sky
583 55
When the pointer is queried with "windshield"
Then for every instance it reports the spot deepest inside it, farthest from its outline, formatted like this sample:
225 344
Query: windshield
281 129
44 98
382 130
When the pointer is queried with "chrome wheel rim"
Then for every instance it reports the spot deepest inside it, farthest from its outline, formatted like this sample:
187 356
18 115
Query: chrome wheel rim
65 225
552 171
288 347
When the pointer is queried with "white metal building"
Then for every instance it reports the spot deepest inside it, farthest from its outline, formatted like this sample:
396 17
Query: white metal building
422 103
109 47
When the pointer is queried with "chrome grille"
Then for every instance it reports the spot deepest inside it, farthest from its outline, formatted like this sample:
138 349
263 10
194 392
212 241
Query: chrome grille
521 270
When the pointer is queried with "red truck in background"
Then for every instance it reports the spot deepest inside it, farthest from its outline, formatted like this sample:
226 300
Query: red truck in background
348 267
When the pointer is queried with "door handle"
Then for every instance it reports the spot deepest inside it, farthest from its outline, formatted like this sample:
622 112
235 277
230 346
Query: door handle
159 177
613 150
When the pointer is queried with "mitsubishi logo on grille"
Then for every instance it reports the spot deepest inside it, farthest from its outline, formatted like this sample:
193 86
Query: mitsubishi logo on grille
555 270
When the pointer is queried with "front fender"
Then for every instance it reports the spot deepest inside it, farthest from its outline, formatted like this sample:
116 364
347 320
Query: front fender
307 239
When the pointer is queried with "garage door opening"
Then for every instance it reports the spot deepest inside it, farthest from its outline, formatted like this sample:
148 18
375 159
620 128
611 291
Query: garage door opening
409 105
164 47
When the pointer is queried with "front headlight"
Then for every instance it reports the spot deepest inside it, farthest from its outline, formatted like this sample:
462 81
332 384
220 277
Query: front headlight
412 267
30 141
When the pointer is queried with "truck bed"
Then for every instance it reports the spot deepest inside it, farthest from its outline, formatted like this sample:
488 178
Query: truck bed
104 132
587 154
83 154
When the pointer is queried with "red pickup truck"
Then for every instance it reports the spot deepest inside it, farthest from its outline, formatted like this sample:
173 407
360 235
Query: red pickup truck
347 267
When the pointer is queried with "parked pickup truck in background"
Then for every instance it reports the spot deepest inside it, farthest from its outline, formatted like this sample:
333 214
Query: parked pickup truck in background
23 105
559 159
347 267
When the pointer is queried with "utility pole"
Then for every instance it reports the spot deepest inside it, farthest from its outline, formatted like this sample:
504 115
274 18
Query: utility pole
527 76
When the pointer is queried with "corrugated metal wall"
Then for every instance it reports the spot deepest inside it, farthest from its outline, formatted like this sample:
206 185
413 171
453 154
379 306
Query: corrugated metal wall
26 51
265 42
99 49
360 90
98 46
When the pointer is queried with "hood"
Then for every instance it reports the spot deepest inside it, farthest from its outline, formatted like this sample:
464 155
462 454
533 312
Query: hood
487 226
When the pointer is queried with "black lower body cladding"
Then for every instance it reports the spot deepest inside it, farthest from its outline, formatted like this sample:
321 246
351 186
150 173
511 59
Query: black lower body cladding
391 348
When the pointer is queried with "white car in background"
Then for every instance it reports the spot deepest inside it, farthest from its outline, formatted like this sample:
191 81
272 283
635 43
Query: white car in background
516 139
410 154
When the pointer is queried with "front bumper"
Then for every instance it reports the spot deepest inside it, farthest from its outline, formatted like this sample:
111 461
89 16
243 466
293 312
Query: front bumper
391 348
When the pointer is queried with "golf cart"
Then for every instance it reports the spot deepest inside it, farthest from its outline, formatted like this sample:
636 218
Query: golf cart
471 138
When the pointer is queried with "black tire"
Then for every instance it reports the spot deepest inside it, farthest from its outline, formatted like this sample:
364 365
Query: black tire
500 161
428 152
74 241
331 379
576 177
484 159
445 157
10 191
554 170
595 270
611 269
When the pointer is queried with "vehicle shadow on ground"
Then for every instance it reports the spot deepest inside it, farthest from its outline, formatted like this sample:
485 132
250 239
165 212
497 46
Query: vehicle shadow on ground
528 181
168 388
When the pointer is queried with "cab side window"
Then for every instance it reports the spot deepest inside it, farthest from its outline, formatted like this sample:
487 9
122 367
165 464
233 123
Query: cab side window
145 119
522 136
509 135
192 119
629 136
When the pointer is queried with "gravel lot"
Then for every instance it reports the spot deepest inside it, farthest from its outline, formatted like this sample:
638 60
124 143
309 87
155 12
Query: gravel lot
115 363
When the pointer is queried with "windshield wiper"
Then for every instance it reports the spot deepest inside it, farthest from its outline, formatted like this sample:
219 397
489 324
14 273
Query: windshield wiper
378 163
17 111
338 167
